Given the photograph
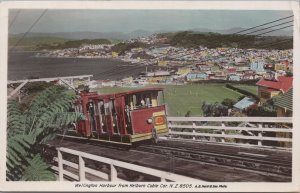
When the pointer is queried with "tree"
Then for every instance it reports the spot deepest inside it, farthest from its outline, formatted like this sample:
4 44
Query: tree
228 102
214 110
46 115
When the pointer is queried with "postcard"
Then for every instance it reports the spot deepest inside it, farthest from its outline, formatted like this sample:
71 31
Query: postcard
151 96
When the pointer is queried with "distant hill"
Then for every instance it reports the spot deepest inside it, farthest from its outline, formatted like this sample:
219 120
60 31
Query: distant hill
135 34
89 35
39 43
237 29
73 44
191 39
121 48
34 41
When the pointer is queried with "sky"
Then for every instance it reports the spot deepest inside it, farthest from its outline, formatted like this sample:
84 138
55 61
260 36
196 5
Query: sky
130 20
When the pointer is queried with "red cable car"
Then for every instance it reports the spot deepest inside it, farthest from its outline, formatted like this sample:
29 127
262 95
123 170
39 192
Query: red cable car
124 117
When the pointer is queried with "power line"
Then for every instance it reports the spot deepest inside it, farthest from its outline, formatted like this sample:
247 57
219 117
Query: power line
36 21
268 27
262 25
240 40
222 39
14 19
274 30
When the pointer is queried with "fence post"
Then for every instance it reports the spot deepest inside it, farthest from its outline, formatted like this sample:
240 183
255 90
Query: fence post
259 143
81 169
194 131
170 126
223 133
60 166
113 173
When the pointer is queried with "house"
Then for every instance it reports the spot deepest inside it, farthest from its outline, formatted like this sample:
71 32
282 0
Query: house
240 61
231 70
281 66
257 67
183 71
284 104
243 104
268 88
194 76
158 76
284 108
234 77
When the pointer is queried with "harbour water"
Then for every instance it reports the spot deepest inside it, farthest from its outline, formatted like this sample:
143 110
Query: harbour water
23 65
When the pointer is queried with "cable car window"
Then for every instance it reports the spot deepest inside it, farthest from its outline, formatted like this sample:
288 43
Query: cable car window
90 107
101 107
96 109
108 107
148 102
134 101
115 116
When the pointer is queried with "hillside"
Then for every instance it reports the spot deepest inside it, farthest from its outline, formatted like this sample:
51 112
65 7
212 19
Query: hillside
39 43
33 42
121 48
73 44
213 40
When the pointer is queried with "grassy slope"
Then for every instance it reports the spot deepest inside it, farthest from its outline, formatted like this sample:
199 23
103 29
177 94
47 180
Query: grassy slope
181 99
252 89
34 41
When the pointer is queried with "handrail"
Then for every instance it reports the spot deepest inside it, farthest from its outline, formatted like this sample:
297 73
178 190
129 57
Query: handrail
163 175
235 119
197 127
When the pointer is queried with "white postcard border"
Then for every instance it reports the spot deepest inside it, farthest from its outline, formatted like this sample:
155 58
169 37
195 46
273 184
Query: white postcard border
131 5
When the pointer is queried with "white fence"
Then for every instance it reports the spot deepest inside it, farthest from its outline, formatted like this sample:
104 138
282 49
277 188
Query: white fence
82 170
221 129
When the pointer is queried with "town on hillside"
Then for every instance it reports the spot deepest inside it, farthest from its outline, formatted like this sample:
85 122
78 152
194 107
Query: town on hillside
270 70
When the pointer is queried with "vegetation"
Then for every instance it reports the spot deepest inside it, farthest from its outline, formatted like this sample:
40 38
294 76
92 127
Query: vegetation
214 110
73 44
121 48
191 39
46 115
181 99
250 88
39 43
35 41
243 91
228 102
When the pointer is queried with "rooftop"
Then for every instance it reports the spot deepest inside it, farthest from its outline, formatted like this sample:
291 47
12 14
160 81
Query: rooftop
282 83
284 100
244 103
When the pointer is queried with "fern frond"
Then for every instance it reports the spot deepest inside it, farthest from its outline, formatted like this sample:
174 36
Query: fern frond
15 118
38 170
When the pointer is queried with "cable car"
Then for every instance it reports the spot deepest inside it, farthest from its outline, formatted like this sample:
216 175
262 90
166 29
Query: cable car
124 117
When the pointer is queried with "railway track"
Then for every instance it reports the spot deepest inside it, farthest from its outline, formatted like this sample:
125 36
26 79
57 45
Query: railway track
235 159
253 162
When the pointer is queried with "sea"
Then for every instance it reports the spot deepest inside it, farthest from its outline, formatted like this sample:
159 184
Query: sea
24 65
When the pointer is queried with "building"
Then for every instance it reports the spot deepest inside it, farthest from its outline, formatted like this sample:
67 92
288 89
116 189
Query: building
194 76
243 104
183 71
234 77
284 104
268 88
281 66
257 67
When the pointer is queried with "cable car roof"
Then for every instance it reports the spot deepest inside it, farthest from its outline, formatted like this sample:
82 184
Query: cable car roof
118 94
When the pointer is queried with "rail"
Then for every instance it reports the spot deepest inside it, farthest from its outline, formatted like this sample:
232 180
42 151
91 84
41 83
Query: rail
233 129
113 174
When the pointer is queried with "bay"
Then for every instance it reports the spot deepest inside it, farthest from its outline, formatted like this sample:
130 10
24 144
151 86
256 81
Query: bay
23 65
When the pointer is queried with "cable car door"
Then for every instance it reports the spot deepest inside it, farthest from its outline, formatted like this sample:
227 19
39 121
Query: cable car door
108 117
